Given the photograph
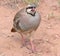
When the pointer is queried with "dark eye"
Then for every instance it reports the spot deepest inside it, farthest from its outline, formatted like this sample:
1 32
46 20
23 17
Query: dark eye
34 7
31 7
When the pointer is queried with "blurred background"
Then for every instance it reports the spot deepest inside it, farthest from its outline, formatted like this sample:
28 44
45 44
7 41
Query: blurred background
47 36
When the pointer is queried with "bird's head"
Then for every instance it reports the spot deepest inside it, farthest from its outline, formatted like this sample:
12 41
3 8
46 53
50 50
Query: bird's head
31 9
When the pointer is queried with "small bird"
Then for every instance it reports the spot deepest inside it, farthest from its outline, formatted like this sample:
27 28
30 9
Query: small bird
25 22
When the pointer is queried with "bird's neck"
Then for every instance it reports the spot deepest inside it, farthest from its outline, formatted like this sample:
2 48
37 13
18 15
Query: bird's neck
31 14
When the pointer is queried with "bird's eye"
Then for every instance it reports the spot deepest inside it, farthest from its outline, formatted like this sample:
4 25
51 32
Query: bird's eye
34 7
31 7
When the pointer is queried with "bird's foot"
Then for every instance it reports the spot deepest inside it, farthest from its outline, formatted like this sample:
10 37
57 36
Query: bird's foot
30 45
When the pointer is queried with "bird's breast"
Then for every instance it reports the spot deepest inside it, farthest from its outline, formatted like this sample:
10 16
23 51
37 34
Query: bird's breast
30 22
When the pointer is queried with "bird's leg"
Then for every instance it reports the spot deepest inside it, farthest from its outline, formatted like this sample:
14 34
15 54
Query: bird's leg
23 40
31 42
32 46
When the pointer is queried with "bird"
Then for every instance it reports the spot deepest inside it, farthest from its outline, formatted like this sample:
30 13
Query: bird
26 22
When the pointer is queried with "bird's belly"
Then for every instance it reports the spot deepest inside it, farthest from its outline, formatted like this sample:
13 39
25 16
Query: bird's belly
31 24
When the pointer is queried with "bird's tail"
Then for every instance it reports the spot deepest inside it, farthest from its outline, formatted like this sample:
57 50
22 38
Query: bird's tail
13 30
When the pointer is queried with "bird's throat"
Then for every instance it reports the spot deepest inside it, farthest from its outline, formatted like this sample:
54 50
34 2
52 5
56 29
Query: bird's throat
32 14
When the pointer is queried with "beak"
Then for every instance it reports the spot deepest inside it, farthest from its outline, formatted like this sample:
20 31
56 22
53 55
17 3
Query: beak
33 9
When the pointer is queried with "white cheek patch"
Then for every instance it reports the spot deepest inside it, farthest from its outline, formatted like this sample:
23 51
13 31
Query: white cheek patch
28 10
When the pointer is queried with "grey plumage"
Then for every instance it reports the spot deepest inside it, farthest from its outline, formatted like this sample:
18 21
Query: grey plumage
25 22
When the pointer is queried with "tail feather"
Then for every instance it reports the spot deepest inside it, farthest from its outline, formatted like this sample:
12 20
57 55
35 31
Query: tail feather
13 30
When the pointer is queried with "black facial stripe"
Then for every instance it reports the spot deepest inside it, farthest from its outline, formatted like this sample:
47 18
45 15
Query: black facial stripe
30 7
31 14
